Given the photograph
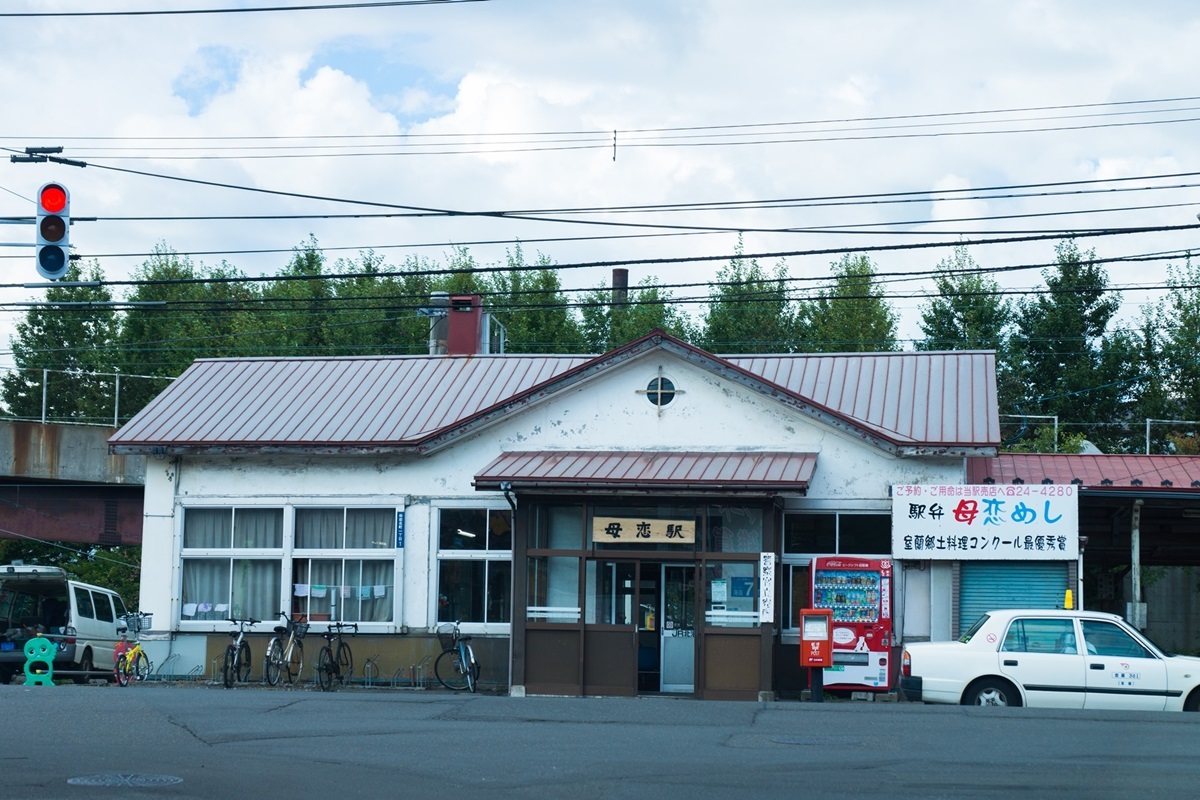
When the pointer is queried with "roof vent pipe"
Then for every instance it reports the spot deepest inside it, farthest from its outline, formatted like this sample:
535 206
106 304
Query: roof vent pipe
439 325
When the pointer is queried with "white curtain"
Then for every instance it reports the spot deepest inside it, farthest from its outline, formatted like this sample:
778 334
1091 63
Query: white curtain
207 527
258 527
370 527
319 528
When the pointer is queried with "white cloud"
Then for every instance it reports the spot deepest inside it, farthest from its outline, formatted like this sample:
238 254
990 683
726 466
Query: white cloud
534 66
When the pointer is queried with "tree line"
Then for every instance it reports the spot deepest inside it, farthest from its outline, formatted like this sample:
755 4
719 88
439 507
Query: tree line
1059 350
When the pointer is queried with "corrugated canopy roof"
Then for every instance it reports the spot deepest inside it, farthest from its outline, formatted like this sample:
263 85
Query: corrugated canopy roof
1099 472
746 471
927 402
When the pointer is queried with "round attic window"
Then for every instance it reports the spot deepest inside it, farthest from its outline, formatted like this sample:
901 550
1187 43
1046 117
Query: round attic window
660 391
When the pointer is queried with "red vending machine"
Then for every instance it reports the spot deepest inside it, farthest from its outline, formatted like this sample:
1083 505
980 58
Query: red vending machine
859 593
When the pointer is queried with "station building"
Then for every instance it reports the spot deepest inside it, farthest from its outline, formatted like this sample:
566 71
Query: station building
642 521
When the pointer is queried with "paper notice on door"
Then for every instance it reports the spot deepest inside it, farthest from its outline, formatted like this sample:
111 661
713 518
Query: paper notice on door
720 591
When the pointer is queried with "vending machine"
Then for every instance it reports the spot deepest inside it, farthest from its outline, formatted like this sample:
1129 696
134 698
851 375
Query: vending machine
858 592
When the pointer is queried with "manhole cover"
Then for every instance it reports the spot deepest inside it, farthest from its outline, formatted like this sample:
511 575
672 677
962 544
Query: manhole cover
125 780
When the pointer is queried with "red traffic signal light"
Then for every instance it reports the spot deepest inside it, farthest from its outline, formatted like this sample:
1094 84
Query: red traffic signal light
52 198
53 227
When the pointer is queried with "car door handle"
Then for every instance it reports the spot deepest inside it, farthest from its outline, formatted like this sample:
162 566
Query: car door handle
1096 666
1010 662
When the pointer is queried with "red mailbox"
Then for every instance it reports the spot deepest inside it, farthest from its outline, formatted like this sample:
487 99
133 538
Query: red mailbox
816 638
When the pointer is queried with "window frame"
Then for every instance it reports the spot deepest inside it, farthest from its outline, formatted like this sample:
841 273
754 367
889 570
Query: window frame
485 556
287 553
793 561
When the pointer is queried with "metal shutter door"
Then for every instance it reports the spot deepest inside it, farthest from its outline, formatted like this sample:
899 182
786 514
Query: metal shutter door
988 585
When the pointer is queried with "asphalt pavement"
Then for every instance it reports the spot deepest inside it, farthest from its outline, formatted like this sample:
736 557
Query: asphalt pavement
201 741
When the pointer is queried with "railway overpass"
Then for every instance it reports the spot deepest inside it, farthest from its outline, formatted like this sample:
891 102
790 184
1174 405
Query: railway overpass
59 483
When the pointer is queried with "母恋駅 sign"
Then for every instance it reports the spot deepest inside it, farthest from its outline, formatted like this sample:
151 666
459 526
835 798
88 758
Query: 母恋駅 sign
1002 523
635 530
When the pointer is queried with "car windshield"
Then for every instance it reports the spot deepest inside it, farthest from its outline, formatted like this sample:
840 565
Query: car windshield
966 637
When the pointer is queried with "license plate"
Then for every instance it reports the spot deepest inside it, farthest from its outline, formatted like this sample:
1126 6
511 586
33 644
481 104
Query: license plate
8 645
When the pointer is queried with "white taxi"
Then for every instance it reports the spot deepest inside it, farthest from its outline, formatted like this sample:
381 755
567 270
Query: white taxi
1051 659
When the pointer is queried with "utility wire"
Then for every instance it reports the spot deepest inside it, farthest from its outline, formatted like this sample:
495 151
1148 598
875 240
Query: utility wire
249 10
606 133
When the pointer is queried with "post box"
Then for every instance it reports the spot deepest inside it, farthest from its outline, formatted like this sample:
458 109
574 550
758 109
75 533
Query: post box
816 638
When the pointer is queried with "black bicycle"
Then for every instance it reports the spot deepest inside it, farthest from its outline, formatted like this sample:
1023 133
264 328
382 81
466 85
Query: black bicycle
237 655
339 666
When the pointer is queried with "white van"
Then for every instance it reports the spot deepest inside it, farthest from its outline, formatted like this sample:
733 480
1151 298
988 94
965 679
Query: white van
82 619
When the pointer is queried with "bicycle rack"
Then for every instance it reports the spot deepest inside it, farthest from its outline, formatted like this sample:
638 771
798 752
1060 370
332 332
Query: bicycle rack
160 674
370 671
195 672
218 669
415 679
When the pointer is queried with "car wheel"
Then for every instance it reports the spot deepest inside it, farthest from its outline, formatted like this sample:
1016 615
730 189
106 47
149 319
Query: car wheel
991 692
84 667
1193 701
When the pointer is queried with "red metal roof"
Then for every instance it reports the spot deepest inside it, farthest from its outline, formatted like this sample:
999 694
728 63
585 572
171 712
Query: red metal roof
363 404
925 397
660 470
336 401
1111 472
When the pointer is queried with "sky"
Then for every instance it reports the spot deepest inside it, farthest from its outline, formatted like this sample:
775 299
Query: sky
884 124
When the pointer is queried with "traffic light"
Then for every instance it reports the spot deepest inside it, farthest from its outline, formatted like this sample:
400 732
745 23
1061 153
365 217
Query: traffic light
53 225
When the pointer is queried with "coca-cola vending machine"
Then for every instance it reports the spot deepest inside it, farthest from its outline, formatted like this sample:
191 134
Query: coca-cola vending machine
859 593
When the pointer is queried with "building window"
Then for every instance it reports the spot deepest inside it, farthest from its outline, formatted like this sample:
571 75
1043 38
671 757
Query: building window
553 589
232 563
474 565
244 563
345 528
660 391
731 595
837 534
347 589
829 533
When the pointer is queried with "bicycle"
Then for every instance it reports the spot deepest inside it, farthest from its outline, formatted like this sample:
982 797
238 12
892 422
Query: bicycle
237 655
132 663
456 668
285 654
341 667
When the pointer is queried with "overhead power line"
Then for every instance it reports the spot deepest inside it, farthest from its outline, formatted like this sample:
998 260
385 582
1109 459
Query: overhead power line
249 10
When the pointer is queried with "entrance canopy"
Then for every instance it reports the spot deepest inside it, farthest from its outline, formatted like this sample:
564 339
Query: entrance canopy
650 469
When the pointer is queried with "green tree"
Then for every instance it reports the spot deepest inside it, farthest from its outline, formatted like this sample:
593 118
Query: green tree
63 352
749 310
532 307
1181 332
300 309
1067 362
610 322
968 312
853 315
182 313
376 314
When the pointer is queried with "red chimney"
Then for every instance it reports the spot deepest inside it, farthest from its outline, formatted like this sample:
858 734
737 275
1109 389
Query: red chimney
465 318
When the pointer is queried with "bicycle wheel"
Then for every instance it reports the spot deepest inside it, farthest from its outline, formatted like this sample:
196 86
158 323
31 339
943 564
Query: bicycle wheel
325 668
449 671
472 667
123 670
273 663
345 660
243 662
295 662
141 666
229 667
